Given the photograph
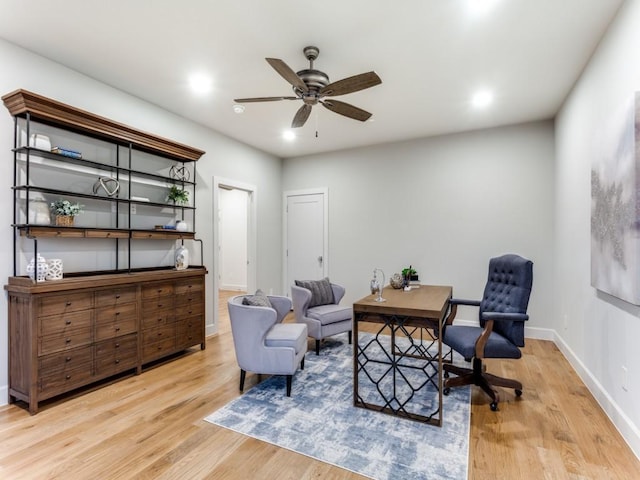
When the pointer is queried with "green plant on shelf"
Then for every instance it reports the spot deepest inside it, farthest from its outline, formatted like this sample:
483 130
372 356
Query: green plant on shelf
178 195
66 208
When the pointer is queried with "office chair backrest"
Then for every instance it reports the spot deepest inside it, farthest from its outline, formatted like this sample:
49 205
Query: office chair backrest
508 289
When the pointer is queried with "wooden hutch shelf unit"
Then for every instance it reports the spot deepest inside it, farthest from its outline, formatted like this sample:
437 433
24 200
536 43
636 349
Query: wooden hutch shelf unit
90 325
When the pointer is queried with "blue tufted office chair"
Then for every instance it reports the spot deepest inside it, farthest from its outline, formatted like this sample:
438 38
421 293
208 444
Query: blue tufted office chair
502 311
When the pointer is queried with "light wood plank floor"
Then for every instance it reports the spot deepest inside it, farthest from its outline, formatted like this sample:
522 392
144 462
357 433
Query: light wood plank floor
150 427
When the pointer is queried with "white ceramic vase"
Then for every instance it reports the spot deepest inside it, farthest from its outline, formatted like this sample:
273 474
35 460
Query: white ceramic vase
182 258
181 226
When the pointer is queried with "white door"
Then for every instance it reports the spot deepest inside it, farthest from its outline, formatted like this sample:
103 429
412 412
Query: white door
306 237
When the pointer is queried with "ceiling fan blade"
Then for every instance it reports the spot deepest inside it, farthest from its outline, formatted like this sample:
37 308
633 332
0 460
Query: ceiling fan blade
351 84
301 116
347 110
289 75
263 99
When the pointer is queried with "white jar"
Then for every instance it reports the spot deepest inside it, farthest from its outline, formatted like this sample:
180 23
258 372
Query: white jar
38 270
181 226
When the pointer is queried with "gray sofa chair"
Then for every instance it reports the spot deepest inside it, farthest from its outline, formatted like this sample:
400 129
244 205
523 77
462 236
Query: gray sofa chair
262 343
324 320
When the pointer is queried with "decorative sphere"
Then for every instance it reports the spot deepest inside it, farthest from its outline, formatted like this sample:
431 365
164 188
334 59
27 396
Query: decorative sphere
396 280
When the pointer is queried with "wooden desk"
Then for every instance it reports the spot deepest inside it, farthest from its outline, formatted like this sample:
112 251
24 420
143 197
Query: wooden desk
407 341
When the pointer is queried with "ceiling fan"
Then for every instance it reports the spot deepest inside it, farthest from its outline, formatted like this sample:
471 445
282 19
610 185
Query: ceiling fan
312 87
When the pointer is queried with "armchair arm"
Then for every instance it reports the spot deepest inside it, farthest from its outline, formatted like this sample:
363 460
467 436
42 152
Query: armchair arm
453 303
282 306
460 301
301 298
338 292
504 316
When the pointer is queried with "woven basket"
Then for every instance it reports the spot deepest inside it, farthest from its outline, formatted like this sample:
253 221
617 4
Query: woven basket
64 220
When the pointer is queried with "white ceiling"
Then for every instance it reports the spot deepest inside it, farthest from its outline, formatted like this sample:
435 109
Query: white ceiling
431 55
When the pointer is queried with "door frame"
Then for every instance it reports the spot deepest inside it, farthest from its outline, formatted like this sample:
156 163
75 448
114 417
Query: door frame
285 240
252 200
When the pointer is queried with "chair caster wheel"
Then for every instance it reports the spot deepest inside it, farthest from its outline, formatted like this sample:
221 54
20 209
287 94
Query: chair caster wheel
446 391
494 407
518 393
445 374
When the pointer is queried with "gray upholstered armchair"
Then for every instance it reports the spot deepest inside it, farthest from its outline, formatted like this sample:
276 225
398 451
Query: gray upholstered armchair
503 311
262 343
316 304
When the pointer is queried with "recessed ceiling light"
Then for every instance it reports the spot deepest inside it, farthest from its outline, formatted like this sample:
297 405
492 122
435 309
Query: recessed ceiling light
482 99
200 83
481 6
289 135
238 108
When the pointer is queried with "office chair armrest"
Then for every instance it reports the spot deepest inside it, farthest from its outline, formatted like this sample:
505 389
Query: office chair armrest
453 304
502 316
460 301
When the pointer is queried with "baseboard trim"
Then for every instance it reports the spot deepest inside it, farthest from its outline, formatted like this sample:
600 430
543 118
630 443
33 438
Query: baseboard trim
630 432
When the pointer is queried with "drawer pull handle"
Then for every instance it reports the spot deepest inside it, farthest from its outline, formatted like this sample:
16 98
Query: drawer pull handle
67 377
117 313
67 322
117 361
117 296
68 304
117 345
67 340
68 359
117 329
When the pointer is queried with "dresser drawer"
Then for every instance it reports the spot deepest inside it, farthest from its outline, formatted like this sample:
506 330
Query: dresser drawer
116 355
64 323
64 361
63 381
116 327
161 304
157 290
189 286
157 334
112 298
158 349
189 309
60 341
190 332
158 319
56 304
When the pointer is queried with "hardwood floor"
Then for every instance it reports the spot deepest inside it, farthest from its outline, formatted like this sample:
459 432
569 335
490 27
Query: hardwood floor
150 426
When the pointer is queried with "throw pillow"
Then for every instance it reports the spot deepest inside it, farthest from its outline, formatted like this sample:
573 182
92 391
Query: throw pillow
257 300
321 291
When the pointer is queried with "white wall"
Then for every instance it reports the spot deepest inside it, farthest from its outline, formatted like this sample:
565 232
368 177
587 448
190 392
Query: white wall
444 205
598 332
224 157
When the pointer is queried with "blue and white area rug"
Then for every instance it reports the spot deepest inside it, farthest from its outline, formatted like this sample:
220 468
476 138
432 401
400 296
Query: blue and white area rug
320 421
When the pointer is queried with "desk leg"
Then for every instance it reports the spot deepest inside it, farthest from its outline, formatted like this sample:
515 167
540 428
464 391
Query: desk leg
356 348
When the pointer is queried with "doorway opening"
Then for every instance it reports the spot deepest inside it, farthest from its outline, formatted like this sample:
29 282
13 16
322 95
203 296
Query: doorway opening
234 211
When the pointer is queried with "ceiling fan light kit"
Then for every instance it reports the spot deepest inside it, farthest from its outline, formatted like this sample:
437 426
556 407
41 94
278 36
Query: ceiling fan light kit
312 86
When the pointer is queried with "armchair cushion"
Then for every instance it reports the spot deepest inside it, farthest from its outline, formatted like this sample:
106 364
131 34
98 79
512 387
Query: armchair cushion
321 291
257 300
292 335
327 314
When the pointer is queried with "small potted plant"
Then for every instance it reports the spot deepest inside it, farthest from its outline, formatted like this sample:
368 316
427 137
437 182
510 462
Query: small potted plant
65 211
178 195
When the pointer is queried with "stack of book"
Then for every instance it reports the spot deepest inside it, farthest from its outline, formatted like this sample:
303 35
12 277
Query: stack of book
66 152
